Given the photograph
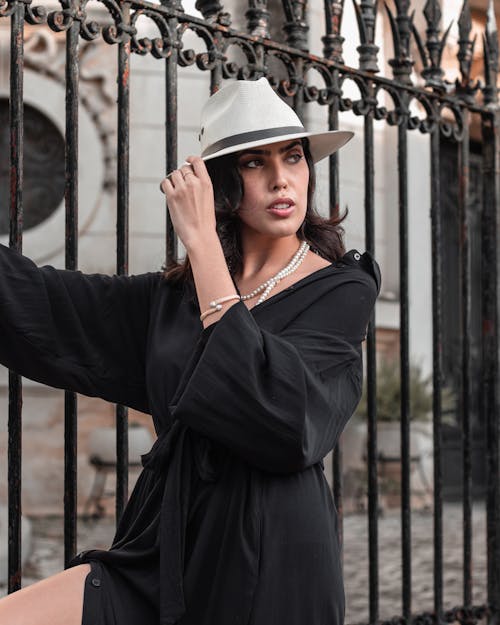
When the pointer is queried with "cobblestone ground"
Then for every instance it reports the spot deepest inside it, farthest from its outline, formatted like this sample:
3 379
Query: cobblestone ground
390 571
47 557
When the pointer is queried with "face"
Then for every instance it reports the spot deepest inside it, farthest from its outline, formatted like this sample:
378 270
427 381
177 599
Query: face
275 179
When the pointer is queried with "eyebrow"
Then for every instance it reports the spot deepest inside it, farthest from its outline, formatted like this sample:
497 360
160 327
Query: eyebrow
268 152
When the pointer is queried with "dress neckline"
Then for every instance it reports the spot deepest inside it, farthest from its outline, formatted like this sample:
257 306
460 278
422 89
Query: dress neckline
292 287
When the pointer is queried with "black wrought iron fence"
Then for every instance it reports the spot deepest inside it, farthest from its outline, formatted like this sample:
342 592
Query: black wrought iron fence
445 110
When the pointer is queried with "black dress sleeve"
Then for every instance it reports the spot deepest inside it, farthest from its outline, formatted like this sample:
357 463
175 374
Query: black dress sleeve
280 401
84 333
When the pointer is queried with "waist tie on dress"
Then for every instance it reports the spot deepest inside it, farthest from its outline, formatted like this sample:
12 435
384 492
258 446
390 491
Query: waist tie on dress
172 456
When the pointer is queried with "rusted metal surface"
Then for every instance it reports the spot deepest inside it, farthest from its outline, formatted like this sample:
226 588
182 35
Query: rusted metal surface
371 379
437 291
402 66
71 262
490 386
466 396
16 118
122 245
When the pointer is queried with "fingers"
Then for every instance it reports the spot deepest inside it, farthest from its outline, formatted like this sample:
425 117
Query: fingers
174 180
199 167
187 173
193 168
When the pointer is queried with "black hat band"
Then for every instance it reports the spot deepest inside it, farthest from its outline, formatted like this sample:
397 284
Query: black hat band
248 137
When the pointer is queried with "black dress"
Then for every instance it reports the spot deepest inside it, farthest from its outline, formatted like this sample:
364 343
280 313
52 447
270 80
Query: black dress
231 522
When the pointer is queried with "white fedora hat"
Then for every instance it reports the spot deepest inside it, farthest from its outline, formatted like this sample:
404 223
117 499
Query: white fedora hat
248 113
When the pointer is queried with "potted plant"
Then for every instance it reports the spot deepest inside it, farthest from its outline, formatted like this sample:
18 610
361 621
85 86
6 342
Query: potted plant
388 398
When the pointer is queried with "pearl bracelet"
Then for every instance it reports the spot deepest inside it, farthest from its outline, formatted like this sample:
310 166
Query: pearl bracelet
216 305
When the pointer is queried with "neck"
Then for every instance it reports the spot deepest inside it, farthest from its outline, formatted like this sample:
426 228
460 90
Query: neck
268 255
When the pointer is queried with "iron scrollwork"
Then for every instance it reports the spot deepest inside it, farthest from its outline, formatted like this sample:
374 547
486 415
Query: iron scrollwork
70 12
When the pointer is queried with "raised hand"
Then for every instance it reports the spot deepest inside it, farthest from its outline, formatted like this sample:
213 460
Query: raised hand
190 200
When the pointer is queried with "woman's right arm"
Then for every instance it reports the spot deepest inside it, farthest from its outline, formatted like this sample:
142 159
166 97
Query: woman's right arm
84 333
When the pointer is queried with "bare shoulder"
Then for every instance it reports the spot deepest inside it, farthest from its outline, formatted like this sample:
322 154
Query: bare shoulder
312 262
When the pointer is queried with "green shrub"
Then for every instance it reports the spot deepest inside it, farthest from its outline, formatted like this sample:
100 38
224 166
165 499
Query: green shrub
389 393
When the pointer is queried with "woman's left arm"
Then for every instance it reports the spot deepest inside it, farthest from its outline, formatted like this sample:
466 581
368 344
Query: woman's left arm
81 332
280 401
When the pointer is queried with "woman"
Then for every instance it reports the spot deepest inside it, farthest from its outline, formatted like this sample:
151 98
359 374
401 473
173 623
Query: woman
247 356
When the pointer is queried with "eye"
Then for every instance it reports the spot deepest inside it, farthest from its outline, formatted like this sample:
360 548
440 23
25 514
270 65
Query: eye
251 164
295 157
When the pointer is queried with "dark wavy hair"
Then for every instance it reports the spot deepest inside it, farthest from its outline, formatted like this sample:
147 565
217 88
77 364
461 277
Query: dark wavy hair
324 235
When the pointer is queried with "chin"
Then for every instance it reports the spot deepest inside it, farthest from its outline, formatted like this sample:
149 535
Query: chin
278 230
280 233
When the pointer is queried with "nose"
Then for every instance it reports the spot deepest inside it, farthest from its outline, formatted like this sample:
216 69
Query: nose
277 177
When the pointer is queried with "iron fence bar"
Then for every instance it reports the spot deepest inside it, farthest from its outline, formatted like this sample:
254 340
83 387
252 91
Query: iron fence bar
490 124
436 254
171 138
16 123
122 242
216 72
466 391
372 455
333 169
333 124
332 49
299 100
71 262
404 348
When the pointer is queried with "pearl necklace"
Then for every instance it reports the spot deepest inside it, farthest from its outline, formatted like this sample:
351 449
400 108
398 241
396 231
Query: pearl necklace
268 285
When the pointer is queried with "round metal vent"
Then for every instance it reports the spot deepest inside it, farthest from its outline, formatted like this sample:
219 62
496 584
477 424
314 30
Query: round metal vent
43 188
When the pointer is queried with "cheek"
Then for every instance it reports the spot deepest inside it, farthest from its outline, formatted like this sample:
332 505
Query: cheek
304 184
250 196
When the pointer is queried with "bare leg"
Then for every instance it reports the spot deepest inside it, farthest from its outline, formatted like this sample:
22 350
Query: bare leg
56 600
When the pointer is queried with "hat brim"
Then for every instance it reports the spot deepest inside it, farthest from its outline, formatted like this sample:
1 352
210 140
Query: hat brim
322 144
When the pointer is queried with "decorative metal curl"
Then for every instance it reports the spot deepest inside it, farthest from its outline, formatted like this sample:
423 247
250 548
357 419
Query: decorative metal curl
365 103
449 129
250 70
120 31
32 14
159 47
62 20
396 115
429 123
7 7
290 87
204 60
325 95
285 87
35 15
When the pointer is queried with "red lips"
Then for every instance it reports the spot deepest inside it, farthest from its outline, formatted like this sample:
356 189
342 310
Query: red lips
280 202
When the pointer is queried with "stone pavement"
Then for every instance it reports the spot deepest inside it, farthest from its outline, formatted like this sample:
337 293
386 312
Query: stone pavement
47 557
